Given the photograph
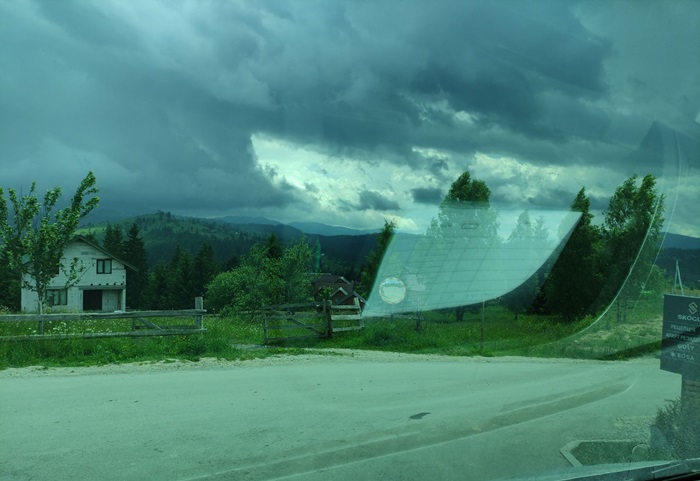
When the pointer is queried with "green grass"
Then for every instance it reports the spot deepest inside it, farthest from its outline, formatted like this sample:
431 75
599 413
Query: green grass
241 338
218 342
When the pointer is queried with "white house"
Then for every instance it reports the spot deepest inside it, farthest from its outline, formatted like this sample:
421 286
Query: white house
101 285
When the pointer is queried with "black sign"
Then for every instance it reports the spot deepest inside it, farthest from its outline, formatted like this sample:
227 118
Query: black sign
680 344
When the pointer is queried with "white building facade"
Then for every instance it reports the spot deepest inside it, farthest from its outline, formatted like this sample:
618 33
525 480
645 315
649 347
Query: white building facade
101 285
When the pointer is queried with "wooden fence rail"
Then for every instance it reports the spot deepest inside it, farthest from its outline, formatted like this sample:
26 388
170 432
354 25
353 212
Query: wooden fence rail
318 319
140 324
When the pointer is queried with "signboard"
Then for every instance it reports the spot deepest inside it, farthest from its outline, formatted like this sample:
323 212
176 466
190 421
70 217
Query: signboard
680 343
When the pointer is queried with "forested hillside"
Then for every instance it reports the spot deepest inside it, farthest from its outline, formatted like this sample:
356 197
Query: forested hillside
163 233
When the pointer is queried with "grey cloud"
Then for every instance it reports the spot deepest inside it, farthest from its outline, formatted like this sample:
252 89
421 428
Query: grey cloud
374 200
439 169
427 195
168 98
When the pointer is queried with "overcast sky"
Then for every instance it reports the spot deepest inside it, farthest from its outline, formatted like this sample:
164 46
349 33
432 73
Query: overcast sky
349 112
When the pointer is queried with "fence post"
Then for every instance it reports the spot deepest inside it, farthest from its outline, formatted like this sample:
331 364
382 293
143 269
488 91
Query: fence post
199 319
329 319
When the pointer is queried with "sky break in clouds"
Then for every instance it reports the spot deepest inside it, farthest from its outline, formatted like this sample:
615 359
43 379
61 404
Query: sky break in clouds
349 112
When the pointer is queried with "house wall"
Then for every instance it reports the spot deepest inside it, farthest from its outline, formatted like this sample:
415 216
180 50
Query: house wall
112 284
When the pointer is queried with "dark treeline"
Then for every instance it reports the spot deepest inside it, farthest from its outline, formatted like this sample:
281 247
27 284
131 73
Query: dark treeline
608 261
175 259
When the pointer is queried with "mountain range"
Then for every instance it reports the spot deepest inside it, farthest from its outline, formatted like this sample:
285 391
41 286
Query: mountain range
340 250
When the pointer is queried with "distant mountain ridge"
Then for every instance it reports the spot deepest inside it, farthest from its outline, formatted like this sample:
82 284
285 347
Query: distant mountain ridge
678 241
330 230
242 220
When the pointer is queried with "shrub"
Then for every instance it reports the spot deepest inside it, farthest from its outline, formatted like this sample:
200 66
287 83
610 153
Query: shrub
679 434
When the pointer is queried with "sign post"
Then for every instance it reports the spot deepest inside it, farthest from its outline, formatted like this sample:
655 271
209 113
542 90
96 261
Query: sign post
680 344
680 350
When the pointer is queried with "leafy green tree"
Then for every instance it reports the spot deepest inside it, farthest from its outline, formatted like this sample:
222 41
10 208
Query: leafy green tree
574 284
467 189
632 235
35 238
134 252
262 280
295 268
222 290
374 259
10 285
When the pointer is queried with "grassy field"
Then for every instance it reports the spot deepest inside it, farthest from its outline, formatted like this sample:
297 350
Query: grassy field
241 338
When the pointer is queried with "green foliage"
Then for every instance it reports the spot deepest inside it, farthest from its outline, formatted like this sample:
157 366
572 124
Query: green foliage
574 284
113 241
158 293
10 286
466 189
134 252
36 236
204 268
266 276
632 235
679 429
222 289
530 335
175 285
375 257
179 283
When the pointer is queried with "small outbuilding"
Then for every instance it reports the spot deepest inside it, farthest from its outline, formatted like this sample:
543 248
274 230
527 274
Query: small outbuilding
342 291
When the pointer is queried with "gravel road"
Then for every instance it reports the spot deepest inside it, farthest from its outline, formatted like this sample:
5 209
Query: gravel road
314 356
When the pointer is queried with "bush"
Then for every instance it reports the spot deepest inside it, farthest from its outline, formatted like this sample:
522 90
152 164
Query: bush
678 434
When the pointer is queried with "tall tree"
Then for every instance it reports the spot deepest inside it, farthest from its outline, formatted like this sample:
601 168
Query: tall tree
157 293
180 282
632 235
374 259
134 252
273 247
296 270
574 296
36 236
467 189
204 268
113 241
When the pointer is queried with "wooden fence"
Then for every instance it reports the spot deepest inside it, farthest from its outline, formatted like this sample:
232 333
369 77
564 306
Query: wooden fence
141 325
311 319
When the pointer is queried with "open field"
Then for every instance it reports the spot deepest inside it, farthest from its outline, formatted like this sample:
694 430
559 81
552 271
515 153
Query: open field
234 338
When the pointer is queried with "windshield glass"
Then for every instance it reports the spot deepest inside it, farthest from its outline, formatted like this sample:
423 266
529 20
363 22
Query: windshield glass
349 239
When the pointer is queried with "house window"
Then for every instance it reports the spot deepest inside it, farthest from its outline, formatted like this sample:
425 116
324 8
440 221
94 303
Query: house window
57 297
104 266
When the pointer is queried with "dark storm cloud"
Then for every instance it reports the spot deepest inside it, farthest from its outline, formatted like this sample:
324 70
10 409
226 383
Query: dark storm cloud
427 195
162 98
439 168
374 200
